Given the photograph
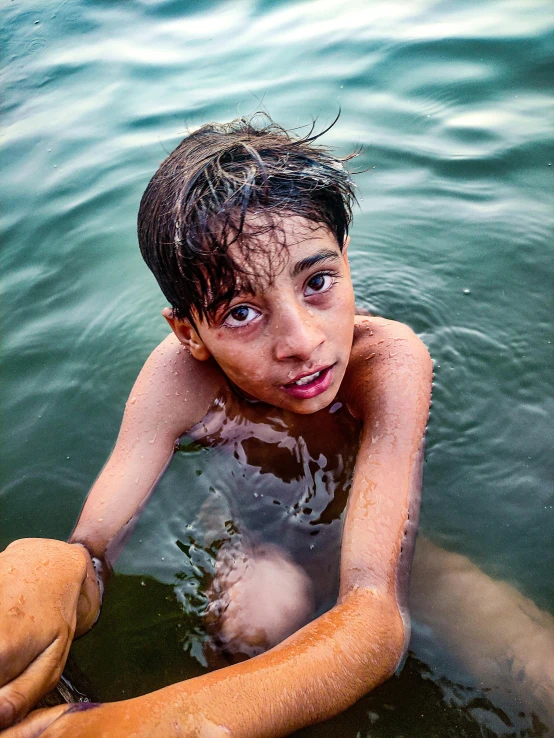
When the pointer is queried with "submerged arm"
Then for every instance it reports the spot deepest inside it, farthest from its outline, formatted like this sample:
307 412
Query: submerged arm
499 635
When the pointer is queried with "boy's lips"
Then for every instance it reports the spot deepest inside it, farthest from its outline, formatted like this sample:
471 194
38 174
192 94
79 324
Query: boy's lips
312 383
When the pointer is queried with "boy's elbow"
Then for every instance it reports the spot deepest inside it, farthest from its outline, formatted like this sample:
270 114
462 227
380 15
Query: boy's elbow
394 631
378 642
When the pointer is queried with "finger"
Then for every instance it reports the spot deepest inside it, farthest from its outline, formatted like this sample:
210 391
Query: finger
19 696
19 649
37 722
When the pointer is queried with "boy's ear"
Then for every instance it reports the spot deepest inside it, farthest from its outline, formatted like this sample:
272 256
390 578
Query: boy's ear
187 335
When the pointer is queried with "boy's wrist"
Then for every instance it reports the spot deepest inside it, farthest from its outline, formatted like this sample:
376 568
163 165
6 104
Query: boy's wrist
90 597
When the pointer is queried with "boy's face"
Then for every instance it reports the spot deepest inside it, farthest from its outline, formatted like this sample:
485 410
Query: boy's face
289 342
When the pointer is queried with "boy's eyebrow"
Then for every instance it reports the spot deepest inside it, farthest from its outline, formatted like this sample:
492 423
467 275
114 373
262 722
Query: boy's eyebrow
310 261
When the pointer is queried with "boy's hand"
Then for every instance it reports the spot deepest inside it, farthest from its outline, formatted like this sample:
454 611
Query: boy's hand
48 592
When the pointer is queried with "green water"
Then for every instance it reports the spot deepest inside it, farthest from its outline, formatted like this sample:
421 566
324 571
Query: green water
452 104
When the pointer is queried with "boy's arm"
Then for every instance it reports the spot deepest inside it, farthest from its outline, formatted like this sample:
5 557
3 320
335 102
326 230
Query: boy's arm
388 385
333 661
48 589
172 393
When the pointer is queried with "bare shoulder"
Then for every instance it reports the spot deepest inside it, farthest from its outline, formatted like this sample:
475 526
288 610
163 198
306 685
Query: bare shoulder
388 339
173 391
387 357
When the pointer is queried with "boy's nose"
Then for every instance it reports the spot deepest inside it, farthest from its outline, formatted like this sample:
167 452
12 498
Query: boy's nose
298 334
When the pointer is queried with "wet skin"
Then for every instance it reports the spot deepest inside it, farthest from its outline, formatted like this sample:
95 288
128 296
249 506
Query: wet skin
263 347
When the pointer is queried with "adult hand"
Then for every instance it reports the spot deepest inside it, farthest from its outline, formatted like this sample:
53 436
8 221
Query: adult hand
48 593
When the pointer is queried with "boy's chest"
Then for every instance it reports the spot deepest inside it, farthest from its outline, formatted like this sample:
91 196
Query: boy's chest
281 482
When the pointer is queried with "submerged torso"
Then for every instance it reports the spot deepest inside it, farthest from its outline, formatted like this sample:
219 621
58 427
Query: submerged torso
282 479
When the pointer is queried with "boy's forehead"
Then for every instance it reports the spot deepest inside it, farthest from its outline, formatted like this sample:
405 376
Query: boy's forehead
267 247
282 228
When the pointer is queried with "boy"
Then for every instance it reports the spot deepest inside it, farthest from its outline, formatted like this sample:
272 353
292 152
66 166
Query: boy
246 231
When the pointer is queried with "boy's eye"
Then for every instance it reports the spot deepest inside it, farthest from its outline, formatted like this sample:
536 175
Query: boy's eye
318 283
240 315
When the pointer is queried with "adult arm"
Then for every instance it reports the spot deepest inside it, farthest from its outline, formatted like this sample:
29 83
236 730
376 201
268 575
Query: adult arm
333 661
49 590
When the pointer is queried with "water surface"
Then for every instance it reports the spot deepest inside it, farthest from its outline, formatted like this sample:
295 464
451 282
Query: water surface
452 106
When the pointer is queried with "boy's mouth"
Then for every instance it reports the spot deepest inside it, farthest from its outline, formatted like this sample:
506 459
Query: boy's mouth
310 385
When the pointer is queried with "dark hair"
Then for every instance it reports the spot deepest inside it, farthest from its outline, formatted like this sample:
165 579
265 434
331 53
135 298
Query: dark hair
230 184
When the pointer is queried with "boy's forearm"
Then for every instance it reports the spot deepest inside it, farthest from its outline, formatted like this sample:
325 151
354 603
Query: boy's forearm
315 674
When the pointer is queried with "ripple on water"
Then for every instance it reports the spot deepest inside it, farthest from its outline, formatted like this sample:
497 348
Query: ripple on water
452 103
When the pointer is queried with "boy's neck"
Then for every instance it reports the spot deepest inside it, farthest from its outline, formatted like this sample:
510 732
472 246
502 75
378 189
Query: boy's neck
243 395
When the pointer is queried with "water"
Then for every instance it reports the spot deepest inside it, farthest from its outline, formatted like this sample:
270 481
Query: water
452 105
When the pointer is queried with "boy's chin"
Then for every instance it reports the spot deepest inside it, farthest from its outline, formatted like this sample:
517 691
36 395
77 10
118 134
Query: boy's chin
311 405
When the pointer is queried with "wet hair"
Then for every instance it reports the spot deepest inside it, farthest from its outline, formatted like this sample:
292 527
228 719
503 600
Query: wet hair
232 184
